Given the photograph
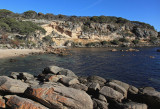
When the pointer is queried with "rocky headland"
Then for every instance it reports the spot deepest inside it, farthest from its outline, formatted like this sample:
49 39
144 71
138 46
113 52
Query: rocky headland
60 88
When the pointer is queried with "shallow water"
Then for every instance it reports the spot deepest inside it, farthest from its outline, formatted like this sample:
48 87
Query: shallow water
136 68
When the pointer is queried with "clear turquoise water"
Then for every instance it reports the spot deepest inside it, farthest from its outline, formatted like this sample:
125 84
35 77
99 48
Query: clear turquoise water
136 68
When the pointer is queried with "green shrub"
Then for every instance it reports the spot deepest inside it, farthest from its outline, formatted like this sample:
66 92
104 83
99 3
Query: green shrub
4 27
114 42
30 14
48 39
5 13
93 44
123 40
103 42
136 41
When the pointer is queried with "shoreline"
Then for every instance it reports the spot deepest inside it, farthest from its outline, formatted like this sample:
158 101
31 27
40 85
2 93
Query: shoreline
7 53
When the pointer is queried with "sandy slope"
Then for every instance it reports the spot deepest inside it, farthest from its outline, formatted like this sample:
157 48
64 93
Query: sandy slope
5 53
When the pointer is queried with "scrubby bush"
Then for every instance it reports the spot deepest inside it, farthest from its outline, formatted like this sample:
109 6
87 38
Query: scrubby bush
48 39
136 41
123 40
5 13
114 42
103 42
93 44
30 14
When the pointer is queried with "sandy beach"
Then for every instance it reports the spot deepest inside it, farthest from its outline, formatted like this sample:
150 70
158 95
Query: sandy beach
6 53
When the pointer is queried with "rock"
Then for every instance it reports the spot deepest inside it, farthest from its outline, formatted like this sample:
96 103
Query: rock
118 88
53 78
124 85
97 104
82 80
102 98
114 50
25 76
59 97
16 102
111 93
134 105
97 79
151 97
2 103
132 90
131 50
93 86
67 73
80 86
14 75
52 69
11 85
158 50
69 81
32 82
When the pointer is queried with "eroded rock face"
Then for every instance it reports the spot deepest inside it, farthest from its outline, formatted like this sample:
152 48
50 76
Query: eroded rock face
16 102
2 103
111 93
11 85
60 97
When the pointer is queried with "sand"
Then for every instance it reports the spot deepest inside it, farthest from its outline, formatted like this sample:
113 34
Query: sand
6 53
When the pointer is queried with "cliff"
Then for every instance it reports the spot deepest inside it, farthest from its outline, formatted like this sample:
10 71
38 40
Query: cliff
61 30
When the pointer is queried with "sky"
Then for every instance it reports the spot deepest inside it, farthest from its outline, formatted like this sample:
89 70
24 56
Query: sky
147 11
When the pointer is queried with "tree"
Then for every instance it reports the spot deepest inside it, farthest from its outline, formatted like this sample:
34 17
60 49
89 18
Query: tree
5 13
30 14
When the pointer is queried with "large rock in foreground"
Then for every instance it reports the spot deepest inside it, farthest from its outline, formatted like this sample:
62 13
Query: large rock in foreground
16 102
11 85
58 96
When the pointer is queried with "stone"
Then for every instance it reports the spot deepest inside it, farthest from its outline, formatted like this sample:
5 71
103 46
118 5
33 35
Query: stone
69 81
2 103
82 80
151 97
79 86
53 78
32 82
14 75
59 97
118 88
16 102
134 105
97 79
124 85
93 86
132 90
97 104
102 98
52 69
111 93
67 73
11 85
25 76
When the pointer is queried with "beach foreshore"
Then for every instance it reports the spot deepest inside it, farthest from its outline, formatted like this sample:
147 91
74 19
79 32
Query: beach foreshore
6 53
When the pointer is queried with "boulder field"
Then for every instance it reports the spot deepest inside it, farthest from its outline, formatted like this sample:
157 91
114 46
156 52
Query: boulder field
60 88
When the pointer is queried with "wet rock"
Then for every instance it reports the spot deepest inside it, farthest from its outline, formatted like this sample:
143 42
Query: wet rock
69 81
111 93
97 104
158 50
114 50
118 88
14 75
16 102
97 79
11 85
2 103
25 76
79 86
124 85
131 50
59 97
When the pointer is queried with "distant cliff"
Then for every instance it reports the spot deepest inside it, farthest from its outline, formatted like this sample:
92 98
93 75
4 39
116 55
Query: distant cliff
61 30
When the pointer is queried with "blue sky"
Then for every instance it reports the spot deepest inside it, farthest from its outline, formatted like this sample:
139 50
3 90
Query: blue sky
147 11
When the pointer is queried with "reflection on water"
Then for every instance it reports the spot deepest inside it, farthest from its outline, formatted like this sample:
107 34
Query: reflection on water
136 68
